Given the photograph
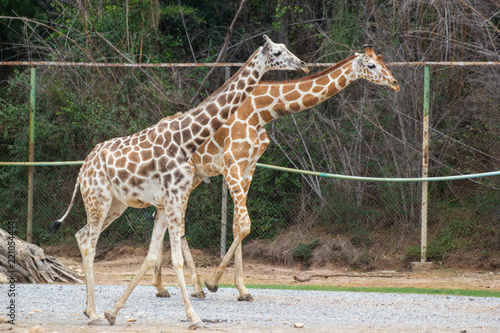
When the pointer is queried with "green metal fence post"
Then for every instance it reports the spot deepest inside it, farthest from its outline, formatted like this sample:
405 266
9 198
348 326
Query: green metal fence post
425 166
31 169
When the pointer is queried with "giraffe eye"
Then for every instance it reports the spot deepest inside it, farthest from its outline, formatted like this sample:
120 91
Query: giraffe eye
277 53
371 66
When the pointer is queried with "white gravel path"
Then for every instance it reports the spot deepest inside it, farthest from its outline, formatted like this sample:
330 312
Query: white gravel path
271 311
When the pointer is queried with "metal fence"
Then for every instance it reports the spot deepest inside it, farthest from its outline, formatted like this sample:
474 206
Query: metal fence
363 131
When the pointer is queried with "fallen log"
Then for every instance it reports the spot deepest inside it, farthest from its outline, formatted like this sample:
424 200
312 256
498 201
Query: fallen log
326 276
27 263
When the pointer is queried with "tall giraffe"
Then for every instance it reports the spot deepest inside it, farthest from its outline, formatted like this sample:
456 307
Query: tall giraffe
151 168
236 146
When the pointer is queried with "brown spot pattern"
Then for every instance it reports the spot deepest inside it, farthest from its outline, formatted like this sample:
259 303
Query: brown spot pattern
263 101
310 100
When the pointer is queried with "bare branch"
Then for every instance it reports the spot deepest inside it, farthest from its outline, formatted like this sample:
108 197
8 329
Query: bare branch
478 13
186 30
222 55
51 28
152 79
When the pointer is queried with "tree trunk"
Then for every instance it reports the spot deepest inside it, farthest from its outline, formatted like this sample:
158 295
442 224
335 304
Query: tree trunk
27 263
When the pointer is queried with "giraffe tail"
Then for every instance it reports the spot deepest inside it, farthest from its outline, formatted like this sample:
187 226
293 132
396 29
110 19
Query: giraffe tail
57 224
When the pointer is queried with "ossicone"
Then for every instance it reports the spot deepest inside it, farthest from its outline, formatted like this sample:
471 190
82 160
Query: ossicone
369 50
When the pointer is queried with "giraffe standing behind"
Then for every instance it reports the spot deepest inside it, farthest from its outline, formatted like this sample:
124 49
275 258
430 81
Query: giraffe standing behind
235 148
151 168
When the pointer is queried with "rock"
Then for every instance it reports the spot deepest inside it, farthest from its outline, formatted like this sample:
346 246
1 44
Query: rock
37 329
421 266
131 320
6 327
298 325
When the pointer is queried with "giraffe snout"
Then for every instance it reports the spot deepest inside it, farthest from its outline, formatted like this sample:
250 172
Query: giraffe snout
395 86
303 67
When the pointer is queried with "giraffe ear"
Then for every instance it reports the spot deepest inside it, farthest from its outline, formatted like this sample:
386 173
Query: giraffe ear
265 48
360 60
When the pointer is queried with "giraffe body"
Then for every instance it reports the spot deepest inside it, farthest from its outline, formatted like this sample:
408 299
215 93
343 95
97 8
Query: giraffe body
235 148
152 168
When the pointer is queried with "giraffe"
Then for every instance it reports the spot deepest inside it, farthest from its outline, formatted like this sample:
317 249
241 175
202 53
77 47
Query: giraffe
234 149
151 168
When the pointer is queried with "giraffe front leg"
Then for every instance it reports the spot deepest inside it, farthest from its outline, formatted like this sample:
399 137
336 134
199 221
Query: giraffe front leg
233 176
238 277
241 228
241 210
161 290
213 283
155 247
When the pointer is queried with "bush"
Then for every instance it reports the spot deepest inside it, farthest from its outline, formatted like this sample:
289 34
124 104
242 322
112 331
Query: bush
304 251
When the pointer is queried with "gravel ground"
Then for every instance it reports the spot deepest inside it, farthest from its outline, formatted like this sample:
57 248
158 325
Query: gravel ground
59 307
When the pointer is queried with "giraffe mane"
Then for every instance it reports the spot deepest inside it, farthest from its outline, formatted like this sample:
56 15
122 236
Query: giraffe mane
177 115
314 76
216 93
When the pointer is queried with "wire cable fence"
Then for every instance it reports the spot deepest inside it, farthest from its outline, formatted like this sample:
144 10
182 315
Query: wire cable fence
365 131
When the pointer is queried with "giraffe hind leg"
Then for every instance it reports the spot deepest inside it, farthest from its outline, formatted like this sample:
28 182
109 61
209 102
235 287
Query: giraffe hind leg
87 238
195 278
174 230
161 290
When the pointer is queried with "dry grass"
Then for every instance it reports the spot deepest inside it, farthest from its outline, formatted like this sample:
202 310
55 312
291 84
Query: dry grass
335 250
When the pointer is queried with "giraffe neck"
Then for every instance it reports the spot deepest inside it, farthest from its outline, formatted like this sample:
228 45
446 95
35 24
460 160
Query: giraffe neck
273 100
254 68
193 128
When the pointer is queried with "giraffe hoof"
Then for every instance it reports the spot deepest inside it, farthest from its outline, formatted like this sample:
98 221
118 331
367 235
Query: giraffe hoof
245 298
86 314
198 294
198 324
163 293
110 317
94 322
212 287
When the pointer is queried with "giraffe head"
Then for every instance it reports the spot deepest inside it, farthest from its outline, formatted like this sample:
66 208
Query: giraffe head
278 57
371 67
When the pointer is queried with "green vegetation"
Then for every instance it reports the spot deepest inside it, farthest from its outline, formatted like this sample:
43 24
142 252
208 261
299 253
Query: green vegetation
396 290
305 251
366 130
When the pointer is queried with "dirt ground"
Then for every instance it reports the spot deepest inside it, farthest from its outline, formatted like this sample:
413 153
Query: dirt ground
119 266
